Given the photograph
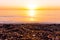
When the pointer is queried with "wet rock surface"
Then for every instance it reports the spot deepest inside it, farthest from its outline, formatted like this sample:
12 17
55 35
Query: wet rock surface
29 31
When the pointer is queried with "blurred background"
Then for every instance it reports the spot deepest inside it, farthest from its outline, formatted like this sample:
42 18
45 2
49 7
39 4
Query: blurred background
29 11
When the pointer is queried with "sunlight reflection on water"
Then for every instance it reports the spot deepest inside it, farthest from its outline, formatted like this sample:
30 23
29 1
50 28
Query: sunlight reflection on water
30 15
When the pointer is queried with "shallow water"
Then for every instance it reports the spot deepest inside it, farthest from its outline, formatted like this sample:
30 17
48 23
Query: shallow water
27 16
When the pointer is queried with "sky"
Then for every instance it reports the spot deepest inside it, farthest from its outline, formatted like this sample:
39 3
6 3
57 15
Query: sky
25 3
49 14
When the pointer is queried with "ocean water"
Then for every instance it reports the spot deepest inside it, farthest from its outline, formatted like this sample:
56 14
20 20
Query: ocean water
29 16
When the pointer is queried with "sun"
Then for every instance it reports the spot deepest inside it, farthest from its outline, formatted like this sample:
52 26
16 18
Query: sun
31 6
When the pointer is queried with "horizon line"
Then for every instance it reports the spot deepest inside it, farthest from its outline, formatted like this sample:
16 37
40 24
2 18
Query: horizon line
30 9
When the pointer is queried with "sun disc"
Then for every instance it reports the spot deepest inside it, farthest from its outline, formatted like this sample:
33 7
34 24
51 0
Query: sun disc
31 6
